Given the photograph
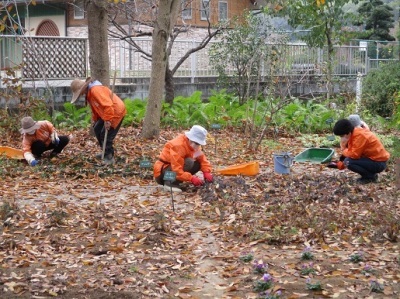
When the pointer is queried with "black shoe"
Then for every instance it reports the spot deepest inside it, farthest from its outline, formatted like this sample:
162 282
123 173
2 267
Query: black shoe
53 154
364 180
332 165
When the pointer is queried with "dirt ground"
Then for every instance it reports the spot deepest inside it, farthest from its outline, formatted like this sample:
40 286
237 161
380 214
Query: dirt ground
73 228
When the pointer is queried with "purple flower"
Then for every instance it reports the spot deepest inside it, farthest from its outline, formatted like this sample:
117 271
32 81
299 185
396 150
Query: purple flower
267 277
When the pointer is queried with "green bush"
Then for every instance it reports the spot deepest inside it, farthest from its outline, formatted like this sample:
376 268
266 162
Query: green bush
380 88
73 117
135 112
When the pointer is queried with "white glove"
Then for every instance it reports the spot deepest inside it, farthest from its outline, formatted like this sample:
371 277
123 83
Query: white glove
29 158
54 138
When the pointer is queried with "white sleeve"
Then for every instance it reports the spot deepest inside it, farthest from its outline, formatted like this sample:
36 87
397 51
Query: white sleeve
29 157
54 136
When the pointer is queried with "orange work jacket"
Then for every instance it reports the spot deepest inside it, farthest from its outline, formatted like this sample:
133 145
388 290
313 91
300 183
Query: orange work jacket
365 144
174 153
43 134
99 99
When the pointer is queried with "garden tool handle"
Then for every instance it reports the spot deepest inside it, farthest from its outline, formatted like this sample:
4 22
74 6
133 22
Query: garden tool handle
106 130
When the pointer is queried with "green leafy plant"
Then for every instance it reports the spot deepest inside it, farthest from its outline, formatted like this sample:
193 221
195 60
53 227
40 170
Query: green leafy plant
357 257
313 286
368 270
246 258
135 112
380 88
307 269
268 294
376 287
260 267
73 117
264 284
307 254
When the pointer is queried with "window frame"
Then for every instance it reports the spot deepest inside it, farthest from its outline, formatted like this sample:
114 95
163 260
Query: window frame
204 10
79 7
219 10
186 6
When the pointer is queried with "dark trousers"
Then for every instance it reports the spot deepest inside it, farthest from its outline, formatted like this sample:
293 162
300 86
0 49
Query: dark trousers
367 168
99 132
190 165
39 147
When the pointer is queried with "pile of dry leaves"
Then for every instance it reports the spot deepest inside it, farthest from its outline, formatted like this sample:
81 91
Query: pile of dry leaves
72 228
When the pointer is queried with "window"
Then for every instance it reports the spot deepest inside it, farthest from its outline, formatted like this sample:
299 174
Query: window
186 9
204 9
79 12
47 28
222 10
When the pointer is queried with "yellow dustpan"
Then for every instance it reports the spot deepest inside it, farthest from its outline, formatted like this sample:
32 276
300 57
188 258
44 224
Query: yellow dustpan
11 152
248 169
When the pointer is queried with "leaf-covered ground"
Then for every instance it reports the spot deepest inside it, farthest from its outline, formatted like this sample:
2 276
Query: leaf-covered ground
72 228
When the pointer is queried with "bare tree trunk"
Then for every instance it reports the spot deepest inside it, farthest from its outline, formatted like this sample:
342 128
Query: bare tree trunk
166 17
329 80
98 40
169 87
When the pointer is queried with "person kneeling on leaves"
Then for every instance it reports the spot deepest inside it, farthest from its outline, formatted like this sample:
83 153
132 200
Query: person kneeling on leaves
38 137
364 153
357 123
183 156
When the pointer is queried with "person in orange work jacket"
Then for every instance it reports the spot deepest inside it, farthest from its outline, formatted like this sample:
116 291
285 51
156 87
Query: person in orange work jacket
364 153
38 137
183 155
357 123
107 113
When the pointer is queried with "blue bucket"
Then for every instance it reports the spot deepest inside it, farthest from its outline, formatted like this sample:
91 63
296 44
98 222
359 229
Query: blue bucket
282 162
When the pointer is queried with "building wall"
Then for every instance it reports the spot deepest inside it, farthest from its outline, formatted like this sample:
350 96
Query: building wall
235 8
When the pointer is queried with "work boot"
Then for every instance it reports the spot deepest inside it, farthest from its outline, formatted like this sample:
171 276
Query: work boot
108 160
367 180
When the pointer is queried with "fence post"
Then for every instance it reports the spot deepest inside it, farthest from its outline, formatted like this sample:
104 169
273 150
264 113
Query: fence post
358 91
193 59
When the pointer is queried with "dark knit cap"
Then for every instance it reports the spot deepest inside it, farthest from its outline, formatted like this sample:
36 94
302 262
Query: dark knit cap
343 127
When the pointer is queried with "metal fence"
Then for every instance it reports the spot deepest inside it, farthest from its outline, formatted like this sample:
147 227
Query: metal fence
55 58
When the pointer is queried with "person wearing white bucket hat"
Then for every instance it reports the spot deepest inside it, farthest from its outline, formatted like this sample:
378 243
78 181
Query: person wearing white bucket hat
183 155
108 112
38 137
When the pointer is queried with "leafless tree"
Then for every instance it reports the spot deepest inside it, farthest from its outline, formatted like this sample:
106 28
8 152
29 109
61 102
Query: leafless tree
142 19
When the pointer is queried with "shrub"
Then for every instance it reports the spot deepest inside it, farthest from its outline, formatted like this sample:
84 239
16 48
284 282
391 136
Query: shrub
380 88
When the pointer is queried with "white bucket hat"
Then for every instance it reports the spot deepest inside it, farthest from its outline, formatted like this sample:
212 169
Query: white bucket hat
197 134
28 125
355 120
77 86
